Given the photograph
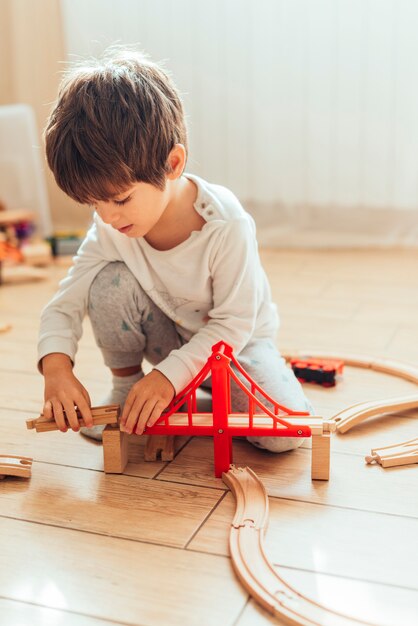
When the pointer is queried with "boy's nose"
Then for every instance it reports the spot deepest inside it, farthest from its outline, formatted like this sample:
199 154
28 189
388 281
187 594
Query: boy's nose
108 213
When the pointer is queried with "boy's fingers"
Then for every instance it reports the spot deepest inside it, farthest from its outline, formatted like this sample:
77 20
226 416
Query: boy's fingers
86 396
47 410
127 408
59 415
71 415
133 416
144 416
84 409
156 413
130 410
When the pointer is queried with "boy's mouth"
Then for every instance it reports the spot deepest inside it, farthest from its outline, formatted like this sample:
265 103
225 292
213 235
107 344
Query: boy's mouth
125 229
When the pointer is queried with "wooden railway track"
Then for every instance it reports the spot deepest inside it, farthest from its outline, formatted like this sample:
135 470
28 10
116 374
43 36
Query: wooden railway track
107 414
254 570
15 466
353 415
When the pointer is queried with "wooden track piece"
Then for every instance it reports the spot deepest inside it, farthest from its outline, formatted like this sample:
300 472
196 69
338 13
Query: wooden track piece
107 414
254 570
162 445
353 415
115 450
386 366
405 453
15 466
239 420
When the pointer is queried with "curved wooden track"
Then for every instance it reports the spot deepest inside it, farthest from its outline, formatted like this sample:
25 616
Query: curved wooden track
252 566
15 466
353 415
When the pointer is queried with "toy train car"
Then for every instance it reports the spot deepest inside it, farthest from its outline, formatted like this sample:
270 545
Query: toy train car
320 371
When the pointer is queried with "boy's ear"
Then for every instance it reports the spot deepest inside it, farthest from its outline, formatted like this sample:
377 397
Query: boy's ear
176 162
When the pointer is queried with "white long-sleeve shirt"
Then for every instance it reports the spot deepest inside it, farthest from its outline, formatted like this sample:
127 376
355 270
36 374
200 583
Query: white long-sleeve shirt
211 285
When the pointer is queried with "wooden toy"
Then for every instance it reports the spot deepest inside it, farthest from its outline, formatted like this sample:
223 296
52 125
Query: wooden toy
397 454
9 243
15 466
159 445
107 414
353 415
320 458
115 449
320 371
223 425
252 566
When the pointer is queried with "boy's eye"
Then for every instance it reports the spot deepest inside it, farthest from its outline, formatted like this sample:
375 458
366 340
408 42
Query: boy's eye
122 202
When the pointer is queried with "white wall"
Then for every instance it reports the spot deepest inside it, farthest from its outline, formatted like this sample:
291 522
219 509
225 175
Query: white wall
307 109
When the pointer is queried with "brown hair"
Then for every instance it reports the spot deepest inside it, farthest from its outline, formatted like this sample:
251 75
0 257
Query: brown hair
115 122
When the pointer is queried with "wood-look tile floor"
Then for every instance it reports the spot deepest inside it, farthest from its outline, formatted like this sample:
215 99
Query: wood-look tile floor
149 548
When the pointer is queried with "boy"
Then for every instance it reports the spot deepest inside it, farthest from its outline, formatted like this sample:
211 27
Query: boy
170 265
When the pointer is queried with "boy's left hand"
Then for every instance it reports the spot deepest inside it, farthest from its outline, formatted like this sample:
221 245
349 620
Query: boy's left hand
145 402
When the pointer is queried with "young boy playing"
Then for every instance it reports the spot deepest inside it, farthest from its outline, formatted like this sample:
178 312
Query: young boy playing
170 265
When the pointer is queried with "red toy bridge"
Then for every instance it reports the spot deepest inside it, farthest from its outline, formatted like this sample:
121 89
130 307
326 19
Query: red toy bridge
221 424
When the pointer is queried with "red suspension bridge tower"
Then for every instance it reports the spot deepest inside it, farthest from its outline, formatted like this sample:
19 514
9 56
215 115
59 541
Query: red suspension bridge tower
222 424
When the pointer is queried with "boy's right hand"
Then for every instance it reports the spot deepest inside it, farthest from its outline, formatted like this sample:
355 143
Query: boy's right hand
63 392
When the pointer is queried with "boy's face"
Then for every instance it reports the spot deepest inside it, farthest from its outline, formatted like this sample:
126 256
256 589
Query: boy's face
135 211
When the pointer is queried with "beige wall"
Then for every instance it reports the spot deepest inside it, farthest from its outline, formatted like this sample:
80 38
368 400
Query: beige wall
31 56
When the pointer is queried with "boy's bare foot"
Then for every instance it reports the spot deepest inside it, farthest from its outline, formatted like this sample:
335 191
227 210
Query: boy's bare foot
121 387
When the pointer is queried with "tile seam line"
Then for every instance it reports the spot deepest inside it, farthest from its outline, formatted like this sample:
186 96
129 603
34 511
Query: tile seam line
201 552
69 611
226 490
342 508
346 577
241 611
108 536
215 506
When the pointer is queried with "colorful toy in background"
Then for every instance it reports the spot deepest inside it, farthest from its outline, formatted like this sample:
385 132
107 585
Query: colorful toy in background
20 250
319 371
15 226
65 243
18 242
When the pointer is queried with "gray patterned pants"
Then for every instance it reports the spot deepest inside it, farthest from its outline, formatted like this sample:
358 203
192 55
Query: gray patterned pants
129 327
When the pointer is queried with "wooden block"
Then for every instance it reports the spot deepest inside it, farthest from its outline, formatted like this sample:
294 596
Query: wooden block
159 445
115 450
321 445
